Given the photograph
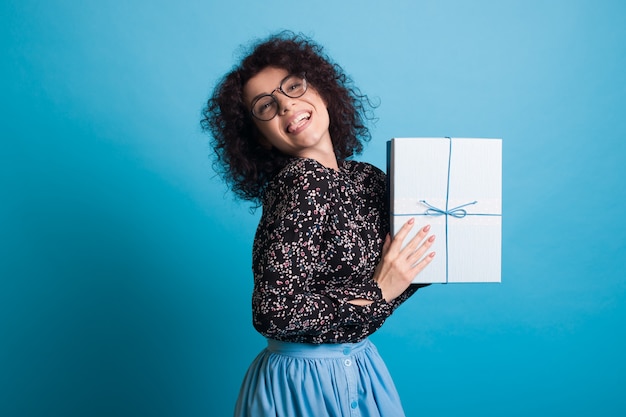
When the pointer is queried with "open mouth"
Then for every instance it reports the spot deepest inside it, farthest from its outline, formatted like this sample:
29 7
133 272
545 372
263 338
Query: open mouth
298 122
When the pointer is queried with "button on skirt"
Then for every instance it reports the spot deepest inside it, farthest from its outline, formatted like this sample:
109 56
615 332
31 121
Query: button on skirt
302 380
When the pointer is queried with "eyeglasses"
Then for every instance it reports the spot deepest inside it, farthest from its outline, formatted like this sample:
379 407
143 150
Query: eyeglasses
265 107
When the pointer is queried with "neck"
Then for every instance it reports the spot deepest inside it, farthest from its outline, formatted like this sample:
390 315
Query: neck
324 154
329 160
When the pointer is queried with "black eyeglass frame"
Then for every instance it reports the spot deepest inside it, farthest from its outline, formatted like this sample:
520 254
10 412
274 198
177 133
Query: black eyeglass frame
302 76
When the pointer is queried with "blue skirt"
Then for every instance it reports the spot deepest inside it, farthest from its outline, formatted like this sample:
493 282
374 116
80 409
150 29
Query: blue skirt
302 380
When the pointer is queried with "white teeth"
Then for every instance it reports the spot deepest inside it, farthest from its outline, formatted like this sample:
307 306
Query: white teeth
300 118
295 122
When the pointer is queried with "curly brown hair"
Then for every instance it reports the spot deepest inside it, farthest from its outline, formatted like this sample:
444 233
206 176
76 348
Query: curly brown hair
242 161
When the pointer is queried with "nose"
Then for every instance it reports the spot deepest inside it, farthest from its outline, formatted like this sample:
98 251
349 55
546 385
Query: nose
284 102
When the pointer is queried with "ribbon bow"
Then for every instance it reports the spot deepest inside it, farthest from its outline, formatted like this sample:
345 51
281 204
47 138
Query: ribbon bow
459 212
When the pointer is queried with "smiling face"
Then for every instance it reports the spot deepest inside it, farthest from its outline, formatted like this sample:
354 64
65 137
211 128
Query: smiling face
300 127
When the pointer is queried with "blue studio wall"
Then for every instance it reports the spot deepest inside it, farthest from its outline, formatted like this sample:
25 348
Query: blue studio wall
125 264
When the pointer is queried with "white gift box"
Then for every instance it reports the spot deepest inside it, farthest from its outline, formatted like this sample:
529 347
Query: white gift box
455 185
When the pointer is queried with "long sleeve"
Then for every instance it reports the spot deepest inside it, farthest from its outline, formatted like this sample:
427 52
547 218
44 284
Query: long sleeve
316 248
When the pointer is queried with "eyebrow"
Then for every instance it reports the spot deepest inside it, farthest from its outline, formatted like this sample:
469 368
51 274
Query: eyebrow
269 94
258 96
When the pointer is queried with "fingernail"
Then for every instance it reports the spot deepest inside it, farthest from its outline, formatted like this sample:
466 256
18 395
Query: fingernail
411 220
432 254
426 228
432 238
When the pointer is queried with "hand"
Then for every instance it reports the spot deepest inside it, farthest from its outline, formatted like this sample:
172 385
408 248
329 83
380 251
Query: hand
399 265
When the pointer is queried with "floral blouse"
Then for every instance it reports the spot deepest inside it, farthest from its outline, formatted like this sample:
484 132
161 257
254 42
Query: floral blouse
318 242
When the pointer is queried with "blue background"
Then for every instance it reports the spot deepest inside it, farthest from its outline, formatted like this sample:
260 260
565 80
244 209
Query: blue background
125 263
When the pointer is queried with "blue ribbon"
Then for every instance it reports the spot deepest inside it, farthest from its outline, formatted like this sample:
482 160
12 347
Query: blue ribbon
459 212
447 211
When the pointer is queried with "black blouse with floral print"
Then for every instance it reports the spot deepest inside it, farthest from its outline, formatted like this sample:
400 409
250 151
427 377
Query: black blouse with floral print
318 242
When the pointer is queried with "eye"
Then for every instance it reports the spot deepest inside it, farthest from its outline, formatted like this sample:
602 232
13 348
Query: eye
294 86
264 105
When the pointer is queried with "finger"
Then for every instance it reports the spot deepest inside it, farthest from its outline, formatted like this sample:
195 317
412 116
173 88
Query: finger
386 244
416 240
398 239
423 248
419 267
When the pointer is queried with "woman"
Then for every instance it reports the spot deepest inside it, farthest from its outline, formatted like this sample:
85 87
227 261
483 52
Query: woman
326 272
